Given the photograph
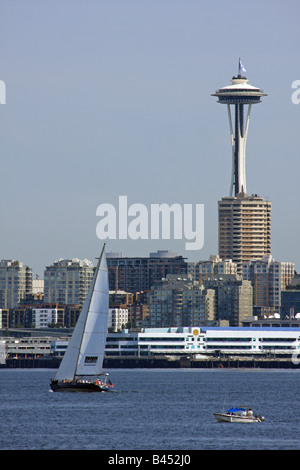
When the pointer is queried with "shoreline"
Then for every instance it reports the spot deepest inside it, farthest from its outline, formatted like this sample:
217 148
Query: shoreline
132 362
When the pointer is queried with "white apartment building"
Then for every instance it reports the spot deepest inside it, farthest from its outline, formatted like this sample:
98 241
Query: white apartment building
269 278
214 266
37 286
67 281
42 317
180 301
117 318
15 283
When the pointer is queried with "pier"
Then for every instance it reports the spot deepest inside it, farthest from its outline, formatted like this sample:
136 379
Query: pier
162 362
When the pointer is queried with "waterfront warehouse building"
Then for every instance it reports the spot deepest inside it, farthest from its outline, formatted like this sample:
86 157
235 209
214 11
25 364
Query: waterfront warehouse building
205 340
202 341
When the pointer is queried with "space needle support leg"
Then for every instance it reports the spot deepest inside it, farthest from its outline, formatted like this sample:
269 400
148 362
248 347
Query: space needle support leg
247 121
232 145
244 143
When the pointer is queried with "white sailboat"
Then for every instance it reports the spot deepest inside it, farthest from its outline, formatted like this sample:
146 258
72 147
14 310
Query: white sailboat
81 365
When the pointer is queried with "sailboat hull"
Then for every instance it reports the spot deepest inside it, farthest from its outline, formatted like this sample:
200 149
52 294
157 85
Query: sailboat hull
57 386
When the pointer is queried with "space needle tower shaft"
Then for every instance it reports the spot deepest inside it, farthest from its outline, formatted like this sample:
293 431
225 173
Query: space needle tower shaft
239 94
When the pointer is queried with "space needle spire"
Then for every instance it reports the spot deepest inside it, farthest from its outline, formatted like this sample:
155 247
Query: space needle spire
239 94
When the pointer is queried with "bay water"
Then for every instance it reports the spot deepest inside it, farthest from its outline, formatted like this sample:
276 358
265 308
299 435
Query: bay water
151 409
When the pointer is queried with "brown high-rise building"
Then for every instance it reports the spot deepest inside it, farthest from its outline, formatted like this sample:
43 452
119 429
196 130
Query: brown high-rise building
244 228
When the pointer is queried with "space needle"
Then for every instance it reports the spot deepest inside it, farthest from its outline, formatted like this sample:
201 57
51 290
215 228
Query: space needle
239 94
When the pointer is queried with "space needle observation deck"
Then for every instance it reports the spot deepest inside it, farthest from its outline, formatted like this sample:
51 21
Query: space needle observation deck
239 94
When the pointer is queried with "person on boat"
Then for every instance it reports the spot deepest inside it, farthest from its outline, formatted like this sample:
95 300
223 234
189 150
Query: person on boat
250 412
244 413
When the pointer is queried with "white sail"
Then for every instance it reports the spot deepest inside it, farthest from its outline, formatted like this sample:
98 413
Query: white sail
85 352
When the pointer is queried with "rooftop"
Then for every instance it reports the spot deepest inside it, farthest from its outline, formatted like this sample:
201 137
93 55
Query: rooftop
239 91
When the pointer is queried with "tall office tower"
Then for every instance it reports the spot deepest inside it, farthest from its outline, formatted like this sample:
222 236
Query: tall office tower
244 228
244 221
15 283
67 281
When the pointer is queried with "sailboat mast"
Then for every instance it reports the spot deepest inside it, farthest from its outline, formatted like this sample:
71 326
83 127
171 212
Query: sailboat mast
94 282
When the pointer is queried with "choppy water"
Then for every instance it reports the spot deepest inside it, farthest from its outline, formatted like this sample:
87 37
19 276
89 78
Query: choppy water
151 409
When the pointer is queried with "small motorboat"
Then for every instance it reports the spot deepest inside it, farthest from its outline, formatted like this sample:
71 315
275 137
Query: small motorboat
244 414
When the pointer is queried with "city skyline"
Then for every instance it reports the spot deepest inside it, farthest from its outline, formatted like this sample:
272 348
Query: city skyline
107 100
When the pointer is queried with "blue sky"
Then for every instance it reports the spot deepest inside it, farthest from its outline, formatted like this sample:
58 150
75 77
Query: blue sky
114 98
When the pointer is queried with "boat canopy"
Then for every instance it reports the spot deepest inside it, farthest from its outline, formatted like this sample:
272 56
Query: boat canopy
234 410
